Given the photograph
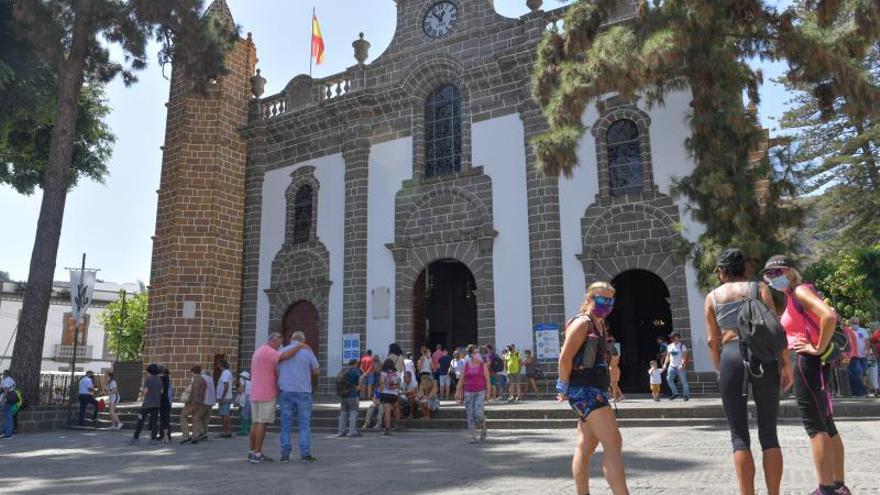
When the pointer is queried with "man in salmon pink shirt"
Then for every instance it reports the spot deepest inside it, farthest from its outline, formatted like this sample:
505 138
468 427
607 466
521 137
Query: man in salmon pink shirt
264 391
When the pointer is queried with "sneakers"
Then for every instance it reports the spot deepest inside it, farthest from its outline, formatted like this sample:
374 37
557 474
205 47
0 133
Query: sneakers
356 435
119 426
686 398
307 458
185 440
7 437
260 457
842 490
285 458
387 432
342 435
673 397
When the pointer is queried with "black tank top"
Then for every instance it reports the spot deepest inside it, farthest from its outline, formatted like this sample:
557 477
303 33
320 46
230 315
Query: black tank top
597 375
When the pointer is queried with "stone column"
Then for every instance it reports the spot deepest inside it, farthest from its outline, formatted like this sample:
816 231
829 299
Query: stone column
356 153
545 242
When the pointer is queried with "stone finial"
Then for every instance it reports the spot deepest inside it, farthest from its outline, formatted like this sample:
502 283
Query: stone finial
361 49
534 5
258 84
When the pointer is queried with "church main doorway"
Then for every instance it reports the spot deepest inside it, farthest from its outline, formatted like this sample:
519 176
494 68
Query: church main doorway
301 316
641 315
445 306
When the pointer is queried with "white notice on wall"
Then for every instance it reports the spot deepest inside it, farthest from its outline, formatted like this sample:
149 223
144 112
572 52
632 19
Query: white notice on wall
381 306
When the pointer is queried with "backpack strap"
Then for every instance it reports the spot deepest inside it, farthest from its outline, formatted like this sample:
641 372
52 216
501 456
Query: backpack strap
754 291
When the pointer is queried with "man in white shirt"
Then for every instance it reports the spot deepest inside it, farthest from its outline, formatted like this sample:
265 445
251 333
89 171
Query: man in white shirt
858 365
7 386
676 366
408 390
210 400
224 398
86 397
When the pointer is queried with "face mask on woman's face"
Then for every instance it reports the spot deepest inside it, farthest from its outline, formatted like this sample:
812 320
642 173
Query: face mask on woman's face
780 283
602 306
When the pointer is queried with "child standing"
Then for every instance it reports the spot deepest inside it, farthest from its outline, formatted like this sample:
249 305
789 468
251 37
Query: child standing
656 379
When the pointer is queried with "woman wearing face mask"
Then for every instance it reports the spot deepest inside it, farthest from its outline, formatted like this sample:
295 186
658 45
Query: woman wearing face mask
722 310
809 325
583 382
473 389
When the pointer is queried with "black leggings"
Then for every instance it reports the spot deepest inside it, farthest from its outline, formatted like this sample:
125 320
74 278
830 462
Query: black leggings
765 392
812 388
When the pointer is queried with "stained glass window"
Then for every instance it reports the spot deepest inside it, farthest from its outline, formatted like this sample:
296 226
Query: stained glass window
443 132
302 214
624 157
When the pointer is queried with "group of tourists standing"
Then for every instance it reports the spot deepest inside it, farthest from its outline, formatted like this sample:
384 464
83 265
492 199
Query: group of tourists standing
752 345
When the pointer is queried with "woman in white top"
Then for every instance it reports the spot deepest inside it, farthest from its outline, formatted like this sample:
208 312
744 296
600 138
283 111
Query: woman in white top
113 399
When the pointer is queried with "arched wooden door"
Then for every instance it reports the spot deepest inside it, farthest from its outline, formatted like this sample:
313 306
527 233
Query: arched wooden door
302 316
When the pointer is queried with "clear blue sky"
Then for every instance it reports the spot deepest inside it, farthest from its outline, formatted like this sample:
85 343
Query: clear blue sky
114 222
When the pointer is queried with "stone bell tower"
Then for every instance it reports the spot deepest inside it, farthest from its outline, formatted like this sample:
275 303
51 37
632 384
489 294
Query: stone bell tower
195 284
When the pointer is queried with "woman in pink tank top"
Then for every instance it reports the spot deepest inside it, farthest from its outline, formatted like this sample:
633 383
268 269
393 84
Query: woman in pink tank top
809 325
473 391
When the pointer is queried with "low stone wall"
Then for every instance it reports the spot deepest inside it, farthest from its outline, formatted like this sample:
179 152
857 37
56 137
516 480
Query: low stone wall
44 418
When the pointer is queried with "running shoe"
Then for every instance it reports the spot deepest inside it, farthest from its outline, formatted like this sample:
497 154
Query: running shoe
307 458
284 459
843 490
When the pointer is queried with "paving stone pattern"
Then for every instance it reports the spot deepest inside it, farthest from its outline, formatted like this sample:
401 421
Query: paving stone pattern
660 460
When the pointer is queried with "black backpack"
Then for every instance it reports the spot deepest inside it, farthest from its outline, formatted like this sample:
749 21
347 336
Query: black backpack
497 363
761 336
343 384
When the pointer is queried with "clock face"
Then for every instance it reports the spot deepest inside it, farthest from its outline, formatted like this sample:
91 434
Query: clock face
440 19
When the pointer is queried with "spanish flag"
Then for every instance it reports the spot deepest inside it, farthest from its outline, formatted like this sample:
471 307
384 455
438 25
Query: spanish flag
317 41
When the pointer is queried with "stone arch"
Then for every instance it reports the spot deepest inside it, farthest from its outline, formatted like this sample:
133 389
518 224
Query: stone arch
303 176
411 262
421 81
301 272
637 227
474 219
610 111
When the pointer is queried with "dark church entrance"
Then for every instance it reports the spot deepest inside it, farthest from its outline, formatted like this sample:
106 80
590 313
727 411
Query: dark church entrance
641 314
302 316
445 306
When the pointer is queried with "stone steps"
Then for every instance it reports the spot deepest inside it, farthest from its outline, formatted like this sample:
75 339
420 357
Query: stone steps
545 414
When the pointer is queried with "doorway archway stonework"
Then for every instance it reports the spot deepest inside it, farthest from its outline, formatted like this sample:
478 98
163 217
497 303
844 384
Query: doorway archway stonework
637 232
444 219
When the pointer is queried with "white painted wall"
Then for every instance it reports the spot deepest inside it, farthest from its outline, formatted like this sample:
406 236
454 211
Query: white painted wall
330 173
390 164
498 147
9 310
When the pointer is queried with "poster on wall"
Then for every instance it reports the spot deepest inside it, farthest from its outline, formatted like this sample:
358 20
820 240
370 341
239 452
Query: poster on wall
351 347
547 340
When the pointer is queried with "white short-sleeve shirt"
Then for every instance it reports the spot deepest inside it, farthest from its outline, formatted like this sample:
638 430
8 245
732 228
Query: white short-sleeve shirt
225 377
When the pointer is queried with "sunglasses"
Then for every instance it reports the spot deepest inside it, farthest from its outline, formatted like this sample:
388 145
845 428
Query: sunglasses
773 273
603 301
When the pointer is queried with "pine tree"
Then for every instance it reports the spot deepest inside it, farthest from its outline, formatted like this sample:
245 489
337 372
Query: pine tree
838 153
75 37
705 47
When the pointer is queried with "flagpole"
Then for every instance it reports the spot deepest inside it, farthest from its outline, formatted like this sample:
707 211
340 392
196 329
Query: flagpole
311 39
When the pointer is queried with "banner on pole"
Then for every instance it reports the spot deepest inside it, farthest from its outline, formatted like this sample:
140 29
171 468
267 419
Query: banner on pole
547 341
81 290
351 347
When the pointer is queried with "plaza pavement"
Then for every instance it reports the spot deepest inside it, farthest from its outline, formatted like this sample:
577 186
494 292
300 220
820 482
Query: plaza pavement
660 460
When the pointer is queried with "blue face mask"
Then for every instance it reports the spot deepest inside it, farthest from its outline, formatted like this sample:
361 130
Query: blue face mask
780 283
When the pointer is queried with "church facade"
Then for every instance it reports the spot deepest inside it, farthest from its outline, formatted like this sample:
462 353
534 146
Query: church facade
398 201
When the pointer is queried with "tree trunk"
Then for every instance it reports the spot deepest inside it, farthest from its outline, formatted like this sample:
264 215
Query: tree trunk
27 355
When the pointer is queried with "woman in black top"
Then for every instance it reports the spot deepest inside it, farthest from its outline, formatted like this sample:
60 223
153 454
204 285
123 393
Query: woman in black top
583 382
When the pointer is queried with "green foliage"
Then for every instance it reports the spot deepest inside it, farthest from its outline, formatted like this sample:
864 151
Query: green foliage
125 329
838 151
847 280
28 96
707 47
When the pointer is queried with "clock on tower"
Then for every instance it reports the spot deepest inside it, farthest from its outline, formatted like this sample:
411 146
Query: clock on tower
440 19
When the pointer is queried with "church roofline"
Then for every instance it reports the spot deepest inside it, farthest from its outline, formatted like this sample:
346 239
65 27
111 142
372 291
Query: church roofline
220 10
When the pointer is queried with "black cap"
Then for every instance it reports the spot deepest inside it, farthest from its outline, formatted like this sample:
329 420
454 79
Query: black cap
779 261
730 257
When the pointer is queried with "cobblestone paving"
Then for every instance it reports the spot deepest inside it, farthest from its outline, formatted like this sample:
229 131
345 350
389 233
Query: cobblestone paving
660 460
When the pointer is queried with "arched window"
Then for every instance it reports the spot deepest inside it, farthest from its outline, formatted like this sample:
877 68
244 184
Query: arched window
443 131
624 157
302 214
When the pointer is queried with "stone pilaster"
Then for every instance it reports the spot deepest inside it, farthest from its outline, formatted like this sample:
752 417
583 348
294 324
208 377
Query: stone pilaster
356 153
545 244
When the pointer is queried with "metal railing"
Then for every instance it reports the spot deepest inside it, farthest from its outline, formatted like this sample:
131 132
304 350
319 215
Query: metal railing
54 386
65 352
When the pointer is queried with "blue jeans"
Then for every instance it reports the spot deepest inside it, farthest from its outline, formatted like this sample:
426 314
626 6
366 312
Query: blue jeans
857 368
682 375
9 421
299 403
